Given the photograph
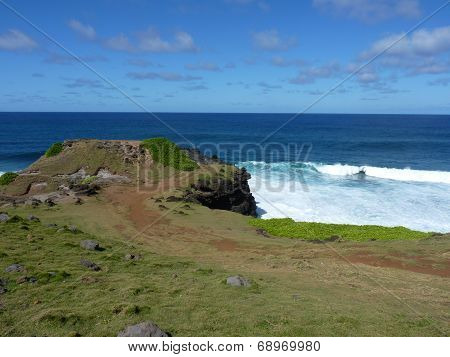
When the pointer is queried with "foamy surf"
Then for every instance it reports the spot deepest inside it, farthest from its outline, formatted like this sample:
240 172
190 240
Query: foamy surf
406 174
336 194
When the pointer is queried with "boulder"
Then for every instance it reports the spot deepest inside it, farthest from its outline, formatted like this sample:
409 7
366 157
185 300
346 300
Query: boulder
14 268
33 218
238 281
73 229
90 265
4 217
90 244
144 329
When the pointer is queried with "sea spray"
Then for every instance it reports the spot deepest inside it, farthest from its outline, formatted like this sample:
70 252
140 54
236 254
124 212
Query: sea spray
342 194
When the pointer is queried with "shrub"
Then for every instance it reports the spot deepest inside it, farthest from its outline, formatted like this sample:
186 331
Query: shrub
169 154
7 178
54 150
287 227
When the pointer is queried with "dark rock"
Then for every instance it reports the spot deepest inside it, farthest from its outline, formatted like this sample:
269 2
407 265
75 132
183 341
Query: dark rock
158 200
162 207
4 217
132 257
90 265
231 195
14 268
79 201
52 225
26 279
3 283
238 281
90 245
262 232
35 202
33 218
49 202
144 329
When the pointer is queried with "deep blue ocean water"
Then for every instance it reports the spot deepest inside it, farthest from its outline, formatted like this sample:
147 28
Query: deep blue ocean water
406 158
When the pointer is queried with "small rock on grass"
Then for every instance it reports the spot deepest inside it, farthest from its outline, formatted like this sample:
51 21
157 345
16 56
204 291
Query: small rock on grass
90 265
89 244
144 329
33 218
132 256
238 281
14 268
73 229
4 217
26 279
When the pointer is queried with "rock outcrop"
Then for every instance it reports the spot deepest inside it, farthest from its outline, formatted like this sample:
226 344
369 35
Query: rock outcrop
227 194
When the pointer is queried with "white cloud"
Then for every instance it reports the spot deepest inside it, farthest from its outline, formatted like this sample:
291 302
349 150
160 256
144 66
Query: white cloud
310 74
370 10
151 41
119 43
270 40
83 30
420 43
15 40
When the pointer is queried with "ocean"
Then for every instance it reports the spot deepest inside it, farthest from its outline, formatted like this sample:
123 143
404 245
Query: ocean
310 170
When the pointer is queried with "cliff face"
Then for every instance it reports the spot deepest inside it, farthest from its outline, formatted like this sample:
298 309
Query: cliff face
84 166
227 194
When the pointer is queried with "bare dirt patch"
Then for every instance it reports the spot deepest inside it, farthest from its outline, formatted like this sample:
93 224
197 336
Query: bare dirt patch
417 264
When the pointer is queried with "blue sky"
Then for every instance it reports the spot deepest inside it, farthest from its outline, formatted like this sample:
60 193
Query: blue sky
225 56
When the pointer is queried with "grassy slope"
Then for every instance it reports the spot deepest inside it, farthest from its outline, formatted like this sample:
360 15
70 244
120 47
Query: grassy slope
294 299
286 227
169 154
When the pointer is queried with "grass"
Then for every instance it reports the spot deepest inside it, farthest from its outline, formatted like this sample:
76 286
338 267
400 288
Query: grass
54 150
169 154
287 227
7 178
180 284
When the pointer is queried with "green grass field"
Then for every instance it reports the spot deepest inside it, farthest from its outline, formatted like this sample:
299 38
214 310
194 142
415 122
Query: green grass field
287 227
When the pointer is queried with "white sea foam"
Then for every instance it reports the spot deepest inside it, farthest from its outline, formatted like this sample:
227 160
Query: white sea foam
333 194
406 174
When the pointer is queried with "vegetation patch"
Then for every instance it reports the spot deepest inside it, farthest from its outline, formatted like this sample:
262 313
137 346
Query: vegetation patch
169 154
88 180
54 150
7 178
287 227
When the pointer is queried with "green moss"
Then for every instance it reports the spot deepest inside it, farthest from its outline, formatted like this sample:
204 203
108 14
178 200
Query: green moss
54 150
168 154
286 227
89 180
7 178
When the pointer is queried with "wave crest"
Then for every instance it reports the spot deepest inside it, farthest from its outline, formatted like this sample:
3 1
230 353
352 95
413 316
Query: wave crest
406 174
